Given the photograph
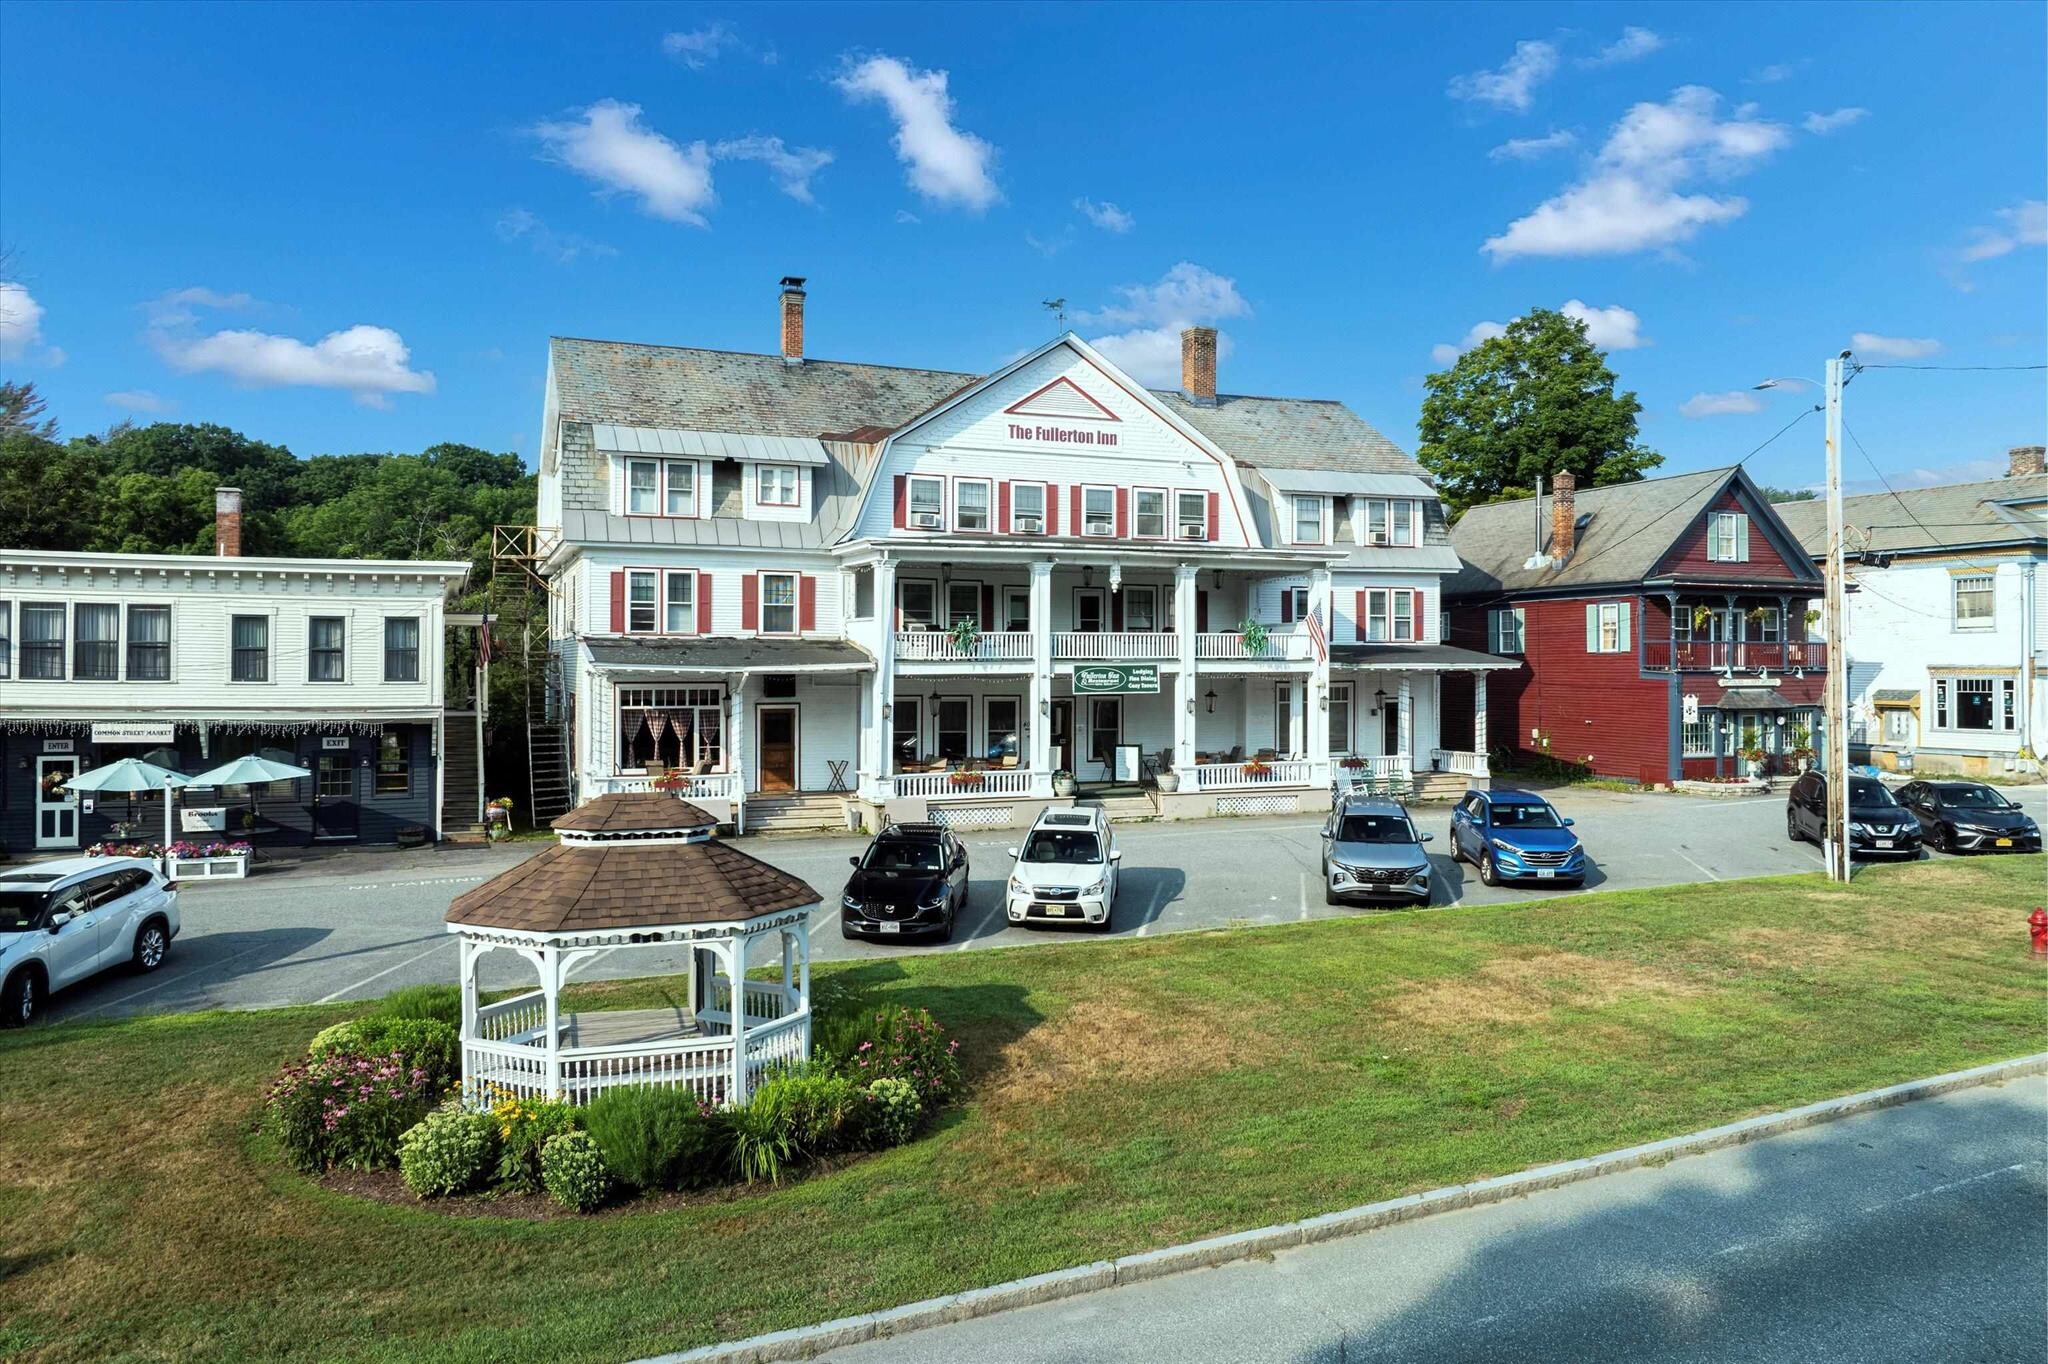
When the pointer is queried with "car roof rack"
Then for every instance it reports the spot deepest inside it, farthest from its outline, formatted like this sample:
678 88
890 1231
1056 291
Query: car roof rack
915 829
1071 818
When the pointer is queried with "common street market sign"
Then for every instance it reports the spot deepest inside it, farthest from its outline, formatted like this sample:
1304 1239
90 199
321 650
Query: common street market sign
1098 679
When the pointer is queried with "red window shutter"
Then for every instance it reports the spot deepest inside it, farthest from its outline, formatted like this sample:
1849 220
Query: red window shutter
1286 606
902 501
1358 620
1212 516
1123 513
988 606
750 602
1420 633
807 602
619 601
703 603
1003 505
1116 610
1201 610
1052 509
1079 524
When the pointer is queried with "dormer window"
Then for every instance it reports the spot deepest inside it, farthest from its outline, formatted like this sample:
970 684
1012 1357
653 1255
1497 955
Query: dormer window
643 487
776 485
680 490
1389 523
971 500
1308 520
1404 523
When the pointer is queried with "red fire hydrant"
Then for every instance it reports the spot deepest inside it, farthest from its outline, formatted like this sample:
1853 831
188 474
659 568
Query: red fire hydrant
2037 922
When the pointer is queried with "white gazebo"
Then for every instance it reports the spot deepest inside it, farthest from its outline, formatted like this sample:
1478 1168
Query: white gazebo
636 871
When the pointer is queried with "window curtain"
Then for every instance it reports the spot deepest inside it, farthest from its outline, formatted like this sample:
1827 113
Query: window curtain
147 625
252 632
402 649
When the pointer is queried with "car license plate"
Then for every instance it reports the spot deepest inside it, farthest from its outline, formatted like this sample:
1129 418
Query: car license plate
890 928
1054 911
1544 873
1884 842
2002 843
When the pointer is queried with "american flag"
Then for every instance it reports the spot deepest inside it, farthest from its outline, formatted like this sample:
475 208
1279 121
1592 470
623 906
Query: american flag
1316 640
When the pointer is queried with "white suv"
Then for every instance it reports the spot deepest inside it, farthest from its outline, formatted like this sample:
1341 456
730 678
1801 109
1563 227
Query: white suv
1066 872
63 921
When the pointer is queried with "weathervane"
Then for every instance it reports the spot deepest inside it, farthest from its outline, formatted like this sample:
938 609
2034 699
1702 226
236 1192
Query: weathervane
1058 308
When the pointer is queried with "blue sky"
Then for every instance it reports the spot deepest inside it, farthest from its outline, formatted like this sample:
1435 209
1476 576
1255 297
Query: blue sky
347 228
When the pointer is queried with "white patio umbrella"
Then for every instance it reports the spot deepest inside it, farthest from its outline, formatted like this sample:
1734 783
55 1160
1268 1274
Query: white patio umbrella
130 775
252 772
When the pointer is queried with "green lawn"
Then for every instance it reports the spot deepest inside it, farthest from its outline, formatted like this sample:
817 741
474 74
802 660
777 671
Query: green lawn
1127 1095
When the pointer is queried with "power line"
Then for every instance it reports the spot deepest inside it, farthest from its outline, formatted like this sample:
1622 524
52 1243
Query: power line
1956 369
1939 542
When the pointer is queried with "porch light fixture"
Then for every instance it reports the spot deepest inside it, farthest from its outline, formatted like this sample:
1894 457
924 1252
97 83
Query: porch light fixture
1209 696
1219 580
1088 575
1379 700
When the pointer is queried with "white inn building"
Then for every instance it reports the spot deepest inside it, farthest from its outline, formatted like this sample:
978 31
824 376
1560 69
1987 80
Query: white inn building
926 593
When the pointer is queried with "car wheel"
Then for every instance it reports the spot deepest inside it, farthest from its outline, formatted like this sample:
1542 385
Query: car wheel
945 933
1489 875
152 945
1329 896
846 932
1792 827
22 1000
1457 856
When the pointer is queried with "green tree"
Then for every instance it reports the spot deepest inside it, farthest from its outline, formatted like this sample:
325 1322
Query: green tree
1530 403
24 409
1787 494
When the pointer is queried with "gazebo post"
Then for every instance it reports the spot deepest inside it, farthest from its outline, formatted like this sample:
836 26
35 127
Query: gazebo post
736 972
551 987
803 993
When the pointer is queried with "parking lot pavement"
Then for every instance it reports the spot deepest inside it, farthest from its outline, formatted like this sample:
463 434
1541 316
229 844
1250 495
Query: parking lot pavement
334 933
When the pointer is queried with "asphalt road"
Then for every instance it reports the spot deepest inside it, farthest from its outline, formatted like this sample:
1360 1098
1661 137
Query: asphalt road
1916 1233
360 925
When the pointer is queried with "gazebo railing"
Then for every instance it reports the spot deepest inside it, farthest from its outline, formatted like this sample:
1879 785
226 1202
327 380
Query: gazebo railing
783 1043
520 1015
497 1070
765 1002
701 1065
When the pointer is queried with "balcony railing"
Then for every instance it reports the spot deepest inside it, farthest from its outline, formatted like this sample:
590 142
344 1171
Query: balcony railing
709 786
938 646
1114 646
1229 644
1456 760
1721 655
1251 775
1000 781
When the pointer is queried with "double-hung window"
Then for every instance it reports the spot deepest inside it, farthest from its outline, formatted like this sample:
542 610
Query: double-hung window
775 485
1390 615
1403 532
1376 532
1293 604
1607 627
401 648
1728 538
643 589
6 639
680 487
679 603
1027 504
1504 630
1098 511
971 504
1975 607
1016 608
1148 514
1697 740
963 603
42 642
1340 717
249 638
917 602
1404 615
96 654
1376 615
1141 608
326 649
778 603
1308 520
1191 515
149 644
643 487
927 502
394 760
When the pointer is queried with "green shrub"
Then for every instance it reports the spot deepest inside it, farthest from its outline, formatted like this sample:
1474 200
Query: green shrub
893 1112
335 1037
524 1127
439 1003
348 1110
821 1110
432 1046
574 1172
651 1138
759 1138
447 1153
908 1044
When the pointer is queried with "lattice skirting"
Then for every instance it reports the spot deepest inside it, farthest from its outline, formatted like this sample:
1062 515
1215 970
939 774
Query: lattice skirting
972 816
1255 805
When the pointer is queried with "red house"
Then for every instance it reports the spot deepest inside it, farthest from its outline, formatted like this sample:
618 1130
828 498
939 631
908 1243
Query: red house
1663 627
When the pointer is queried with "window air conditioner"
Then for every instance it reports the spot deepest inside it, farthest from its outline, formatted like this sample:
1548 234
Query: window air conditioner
1098 526
1192 532
927 521
1379 539
1028 525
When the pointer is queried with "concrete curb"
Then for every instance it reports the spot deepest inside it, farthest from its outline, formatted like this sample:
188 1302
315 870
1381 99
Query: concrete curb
806 1342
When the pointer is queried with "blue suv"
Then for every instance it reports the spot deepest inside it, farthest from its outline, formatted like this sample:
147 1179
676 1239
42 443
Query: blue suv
1516 836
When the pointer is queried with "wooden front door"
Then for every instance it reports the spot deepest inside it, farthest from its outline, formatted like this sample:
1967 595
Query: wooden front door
778 747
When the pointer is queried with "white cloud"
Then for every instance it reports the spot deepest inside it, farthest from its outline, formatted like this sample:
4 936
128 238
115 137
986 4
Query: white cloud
21 322
904 215
1529 148
698 48
1611 328
1822 124
518 224
1049 246
365 361
791 167
1720 404
608 144
1771 75
1152 317
1633 43
1514 85
2024 224
139 400
1106 215
1894 347
946 165
1631 199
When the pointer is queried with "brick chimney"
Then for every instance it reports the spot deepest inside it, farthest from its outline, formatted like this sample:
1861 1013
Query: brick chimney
2025 459
792 319
227 522
1198 364
1564 515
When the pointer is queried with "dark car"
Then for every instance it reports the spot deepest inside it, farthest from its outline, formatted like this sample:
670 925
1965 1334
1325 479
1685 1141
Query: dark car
1968 816
1878 825
912 880
1516 836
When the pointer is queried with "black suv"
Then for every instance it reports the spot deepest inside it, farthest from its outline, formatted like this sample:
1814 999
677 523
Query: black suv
911 880
1968 816
1878 825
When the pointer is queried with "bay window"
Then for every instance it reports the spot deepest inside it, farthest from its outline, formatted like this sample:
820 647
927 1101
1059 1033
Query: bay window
96 654
778 603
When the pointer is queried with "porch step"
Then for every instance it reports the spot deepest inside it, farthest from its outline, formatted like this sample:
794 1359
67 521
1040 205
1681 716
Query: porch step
795 812
1122 809
1440 786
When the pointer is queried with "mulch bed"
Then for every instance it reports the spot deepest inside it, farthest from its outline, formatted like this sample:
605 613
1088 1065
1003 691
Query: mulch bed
386 1186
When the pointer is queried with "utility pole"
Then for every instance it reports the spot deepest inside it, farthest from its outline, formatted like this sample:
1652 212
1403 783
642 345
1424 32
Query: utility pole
1835 839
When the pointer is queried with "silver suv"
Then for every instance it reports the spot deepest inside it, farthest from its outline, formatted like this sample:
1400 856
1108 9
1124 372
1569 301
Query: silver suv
1372 851
63 921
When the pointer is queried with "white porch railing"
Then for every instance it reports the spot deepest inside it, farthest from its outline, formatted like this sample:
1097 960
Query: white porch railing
999 781
1229 644
708 786
1456 760
1114 646
1251 776
937 646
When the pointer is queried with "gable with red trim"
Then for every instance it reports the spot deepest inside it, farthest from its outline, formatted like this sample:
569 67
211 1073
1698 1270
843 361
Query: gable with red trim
1733 540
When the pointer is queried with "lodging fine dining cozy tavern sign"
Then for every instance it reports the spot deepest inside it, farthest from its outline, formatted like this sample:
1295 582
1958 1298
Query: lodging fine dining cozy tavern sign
1102 679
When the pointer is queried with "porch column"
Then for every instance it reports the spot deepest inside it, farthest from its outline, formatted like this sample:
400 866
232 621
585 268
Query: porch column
1408 719
1479 716
736 971
1184 622
1038 724
1316 687
1436 714
736 747
878 756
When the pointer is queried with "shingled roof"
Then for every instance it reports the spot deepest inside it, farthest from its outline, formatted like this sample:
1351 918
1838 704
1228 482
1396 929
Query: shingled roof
634 812
1627 529
590 887
1921 519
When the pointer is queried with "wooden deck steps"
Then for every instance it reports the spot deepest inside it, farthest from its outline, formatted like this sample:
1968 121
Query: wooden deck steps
795 811
1123 809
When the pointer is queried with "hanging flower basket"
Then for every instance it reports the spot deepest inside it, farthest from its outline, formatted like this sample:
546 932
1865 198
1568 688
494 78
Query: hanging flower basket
968 779
1253 636
1255 768
966 635
672 781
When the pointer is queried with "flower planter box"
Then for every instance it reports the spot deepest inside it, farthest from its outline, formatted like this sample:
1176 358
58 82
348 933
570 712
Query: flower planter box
209 868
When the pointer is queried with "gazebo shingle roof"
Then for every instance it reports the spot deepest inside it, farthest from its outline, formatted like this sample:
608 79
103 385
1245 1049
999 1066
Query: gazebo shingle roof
590 887
639 812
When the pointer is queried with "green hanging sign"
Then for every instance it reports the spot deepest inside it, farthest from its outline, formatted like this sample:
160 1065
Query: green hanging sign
1105 679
